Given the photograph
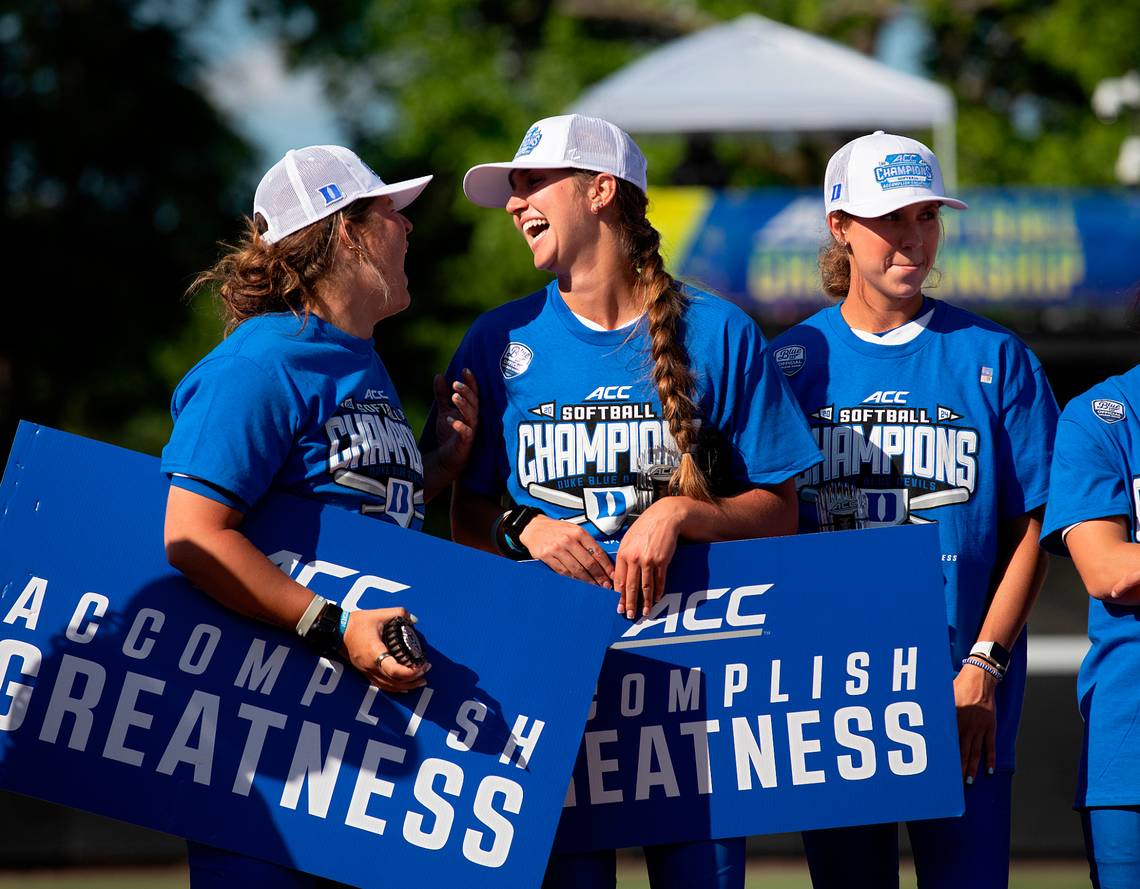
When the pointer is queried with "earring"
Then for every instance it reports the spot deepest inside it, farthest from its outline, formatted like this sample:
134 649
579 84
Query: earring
596 208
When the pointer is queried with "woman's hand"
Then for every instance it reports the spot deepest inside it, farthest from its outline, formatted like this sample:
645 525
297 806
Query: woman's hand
1126 591
456 417
977 720
645 553
365 650
568 549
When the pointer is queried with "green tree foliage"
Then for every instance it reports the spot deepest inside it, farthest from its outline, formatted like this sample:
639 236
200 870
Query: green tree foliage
1023 72
118 178
462 79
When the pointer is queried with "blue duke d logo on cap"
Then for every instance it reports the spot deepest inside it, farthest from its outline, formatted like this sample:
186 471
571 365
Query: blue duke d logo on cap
331 193
530 142
904 170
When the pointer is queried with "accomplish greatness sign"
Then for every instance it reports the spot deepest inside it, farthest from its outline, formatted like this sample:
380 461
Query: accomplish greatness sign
779 685
126 692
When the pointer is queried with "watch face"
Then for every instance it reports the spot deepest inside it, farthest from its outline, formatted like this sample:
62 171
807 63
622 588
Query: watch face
994 651
411 642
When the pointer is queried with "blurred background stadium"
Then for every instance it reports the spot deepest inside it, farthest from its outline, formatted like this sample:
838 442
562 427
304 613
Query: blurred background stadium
135 130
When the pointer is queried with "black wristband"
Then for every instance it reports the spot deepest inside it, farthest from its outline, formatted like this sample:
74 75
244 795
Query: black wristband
325 635
508 528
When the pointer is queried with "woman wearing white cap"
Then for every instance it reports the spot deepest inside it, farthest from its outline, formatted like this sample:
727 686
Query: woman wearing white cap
607 390
289 402
955 426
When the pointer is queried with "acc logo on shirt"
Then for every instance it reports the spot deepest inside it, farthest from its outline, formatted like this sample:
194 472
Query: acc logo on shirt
1107 410
516 359
790 359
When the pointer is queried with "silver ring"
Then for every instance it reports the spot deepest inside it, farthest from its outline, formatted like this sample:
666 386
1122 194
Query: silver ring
592 551
380 659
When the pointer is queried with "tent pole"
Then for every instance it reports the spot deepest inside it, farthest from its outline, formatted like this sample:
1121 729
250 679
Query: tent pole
945 146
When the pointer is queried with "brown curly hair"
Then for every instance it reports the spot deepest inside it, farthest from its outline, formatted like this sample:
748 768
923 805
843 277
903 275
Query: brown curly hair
255 277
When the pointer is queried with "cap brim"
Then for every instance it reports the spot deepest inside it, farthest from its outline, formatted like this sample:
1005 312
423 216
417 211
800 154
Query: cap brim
489 185
401 193
875 209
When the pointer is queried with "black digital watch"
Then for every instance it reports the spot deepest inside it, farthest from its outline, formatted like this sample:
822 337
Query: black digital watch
324 636
508 528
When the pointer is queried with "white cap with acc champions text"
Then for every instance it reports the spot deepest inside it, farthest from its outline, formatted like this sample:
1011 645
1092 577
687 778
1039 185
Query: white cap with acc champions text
880 173
311 183
556 143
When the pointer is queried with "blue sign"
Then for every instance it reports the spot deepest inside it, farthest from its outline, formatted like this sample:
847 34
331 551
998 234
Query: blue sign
779 685
126 692
1015 247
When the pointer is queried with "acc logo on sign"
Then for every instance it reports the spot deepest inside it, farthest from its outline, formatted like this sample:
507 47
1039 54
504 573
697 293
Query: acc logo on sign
516 359
1107 410
790 359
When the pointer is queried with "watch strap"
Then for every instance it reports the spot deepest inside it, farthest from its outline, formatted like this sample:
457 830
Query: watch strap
995 652
326 632
508 530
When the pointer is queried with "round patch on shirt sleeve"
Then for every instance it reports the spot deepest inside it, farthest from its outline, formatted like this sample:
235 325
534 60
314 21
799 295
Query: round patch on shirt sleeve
790 359
516 359
1108 410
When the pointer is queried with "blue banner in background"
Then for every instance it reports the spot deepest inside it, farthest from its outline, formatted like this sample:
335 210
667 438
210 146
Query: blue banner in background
780 685
124 691
1014 247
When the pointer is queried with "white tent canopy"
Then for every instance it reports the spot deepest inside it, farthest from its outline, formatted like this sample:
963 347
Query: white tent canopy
753 74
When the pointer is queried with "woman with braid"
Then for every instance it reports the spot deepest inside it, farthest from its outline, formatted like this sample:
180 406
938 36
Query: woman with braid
617 405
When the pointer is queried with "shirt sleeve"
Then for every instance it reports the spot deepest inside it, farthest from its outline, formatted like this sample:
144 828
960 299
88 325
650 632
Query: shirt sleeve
765 428
1028 427
1084 483
234 426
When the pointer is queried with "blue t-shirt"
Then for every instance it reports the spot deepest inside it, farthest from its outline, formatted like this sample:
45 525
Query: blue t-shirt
296 407
568 414
954 426
1096 475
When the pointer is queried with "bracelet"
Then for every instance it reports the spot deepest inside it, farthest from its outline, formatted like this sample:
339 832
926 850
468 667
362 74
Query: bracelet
988 660
982 665
310 615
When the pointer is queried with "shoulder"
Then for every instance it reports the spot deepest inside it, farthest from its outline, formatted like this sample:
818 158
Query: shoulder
961 324
810 328
712 319
256 355
510 316
1108 406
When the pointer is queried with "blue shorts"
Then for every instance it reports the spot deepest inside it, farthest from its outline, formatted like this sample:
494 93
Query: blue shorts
949 853
710 864
1112 842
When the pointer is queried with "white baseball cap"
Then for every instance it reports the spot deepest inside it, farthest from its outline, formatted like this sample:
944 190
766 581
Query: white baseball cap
880 173
556 143
311 183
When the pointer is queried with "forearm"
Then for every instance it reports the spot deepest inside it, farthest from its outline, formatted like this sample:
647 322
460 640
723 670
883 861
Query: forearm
1108 563
231 570
758 512
472 516
204 542
437 475
1019 573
